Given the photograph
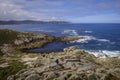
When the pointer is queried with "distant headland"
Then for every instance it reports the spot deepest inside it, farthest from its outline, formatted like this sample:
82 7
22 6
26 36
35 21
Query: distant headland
30 22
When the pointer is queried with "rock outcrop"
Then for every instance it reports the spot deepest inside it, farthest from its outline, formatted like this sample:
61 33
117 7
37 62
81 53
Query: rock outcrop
74 64
13 41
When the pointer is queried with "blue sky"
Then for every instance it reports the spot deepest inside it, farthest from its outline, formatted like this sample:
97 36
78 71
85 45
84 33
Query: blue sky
80 11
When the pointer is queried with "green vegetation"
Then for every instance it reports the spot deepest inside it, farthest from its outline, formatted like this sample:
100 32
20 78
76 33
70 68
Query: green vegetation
7 36
81 64
37 44
85 55
32 55
24 40
1 53
68 39
111 63
12 69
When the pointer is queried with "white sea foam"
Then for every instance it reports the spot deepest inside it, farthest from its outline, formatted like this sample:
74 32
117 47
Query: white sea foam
70 32
88 31
88 38
85 39
105 53
103 40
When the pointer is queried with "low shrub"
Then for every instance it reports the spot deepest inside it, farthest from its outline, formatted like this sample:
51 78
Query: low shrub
12 69
7 36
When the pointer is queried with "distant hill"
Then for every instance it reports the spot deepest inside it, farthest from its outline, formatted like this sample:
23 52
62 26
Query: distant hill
31 22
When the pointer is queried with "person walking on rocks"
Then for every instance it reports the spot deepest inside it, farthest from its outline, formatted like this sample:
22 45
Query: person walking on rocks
57 63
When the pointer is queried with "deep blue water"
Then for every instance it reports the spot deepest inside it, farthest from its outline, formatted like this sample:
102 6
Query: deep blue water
100 38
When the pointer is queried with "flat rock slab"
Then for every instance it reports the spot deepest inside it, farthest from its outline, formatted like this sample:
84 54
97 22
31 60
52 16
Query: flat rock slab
4 65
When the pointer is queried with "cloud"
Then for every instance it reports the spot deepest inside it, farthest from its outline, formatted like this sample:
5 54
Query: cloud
9 10
56 9
23 10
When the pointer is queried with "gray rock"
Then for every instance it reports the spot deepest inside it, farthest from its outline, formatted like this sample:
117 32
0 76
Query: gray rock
72 48
75 77
21 71
65 50
32 77
11 77
25 74
92 76
52 75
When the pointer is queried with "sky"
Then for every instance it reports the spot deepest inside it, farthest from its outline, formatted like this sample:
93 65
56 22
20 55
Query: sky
78 11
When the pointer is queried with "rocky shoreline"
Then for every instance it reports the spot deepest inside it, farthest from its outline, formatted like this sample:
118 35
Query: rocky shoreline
75 64
26 41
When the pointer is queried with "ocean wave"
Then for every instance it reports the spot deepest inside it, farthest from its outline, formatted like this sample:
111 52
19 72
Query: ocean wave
88 31
103 40
88 38
70 32
85 39
104 53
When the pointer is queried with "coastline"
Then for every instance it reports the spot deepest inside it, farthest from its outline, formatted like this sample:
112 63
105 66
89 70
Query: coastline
25 41
73 62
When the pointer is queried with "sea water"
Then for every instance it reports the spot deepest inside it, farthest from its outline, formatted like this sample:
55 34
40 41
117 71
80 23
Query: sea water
101 39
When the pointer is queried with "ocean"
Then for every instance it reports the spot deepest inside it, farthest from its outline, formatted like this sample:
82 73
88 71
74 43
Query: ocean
101 39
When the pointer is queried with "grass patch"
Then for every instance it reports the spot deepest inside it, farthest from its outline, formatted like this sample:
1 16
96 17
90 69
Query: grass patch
86 56
7 36
32 55
37 44
111 63
12 69
1 54
68 39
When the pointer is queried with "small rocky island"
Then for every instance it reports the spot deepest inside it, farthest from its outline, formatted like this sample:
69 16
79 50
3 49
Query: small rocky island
74 64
